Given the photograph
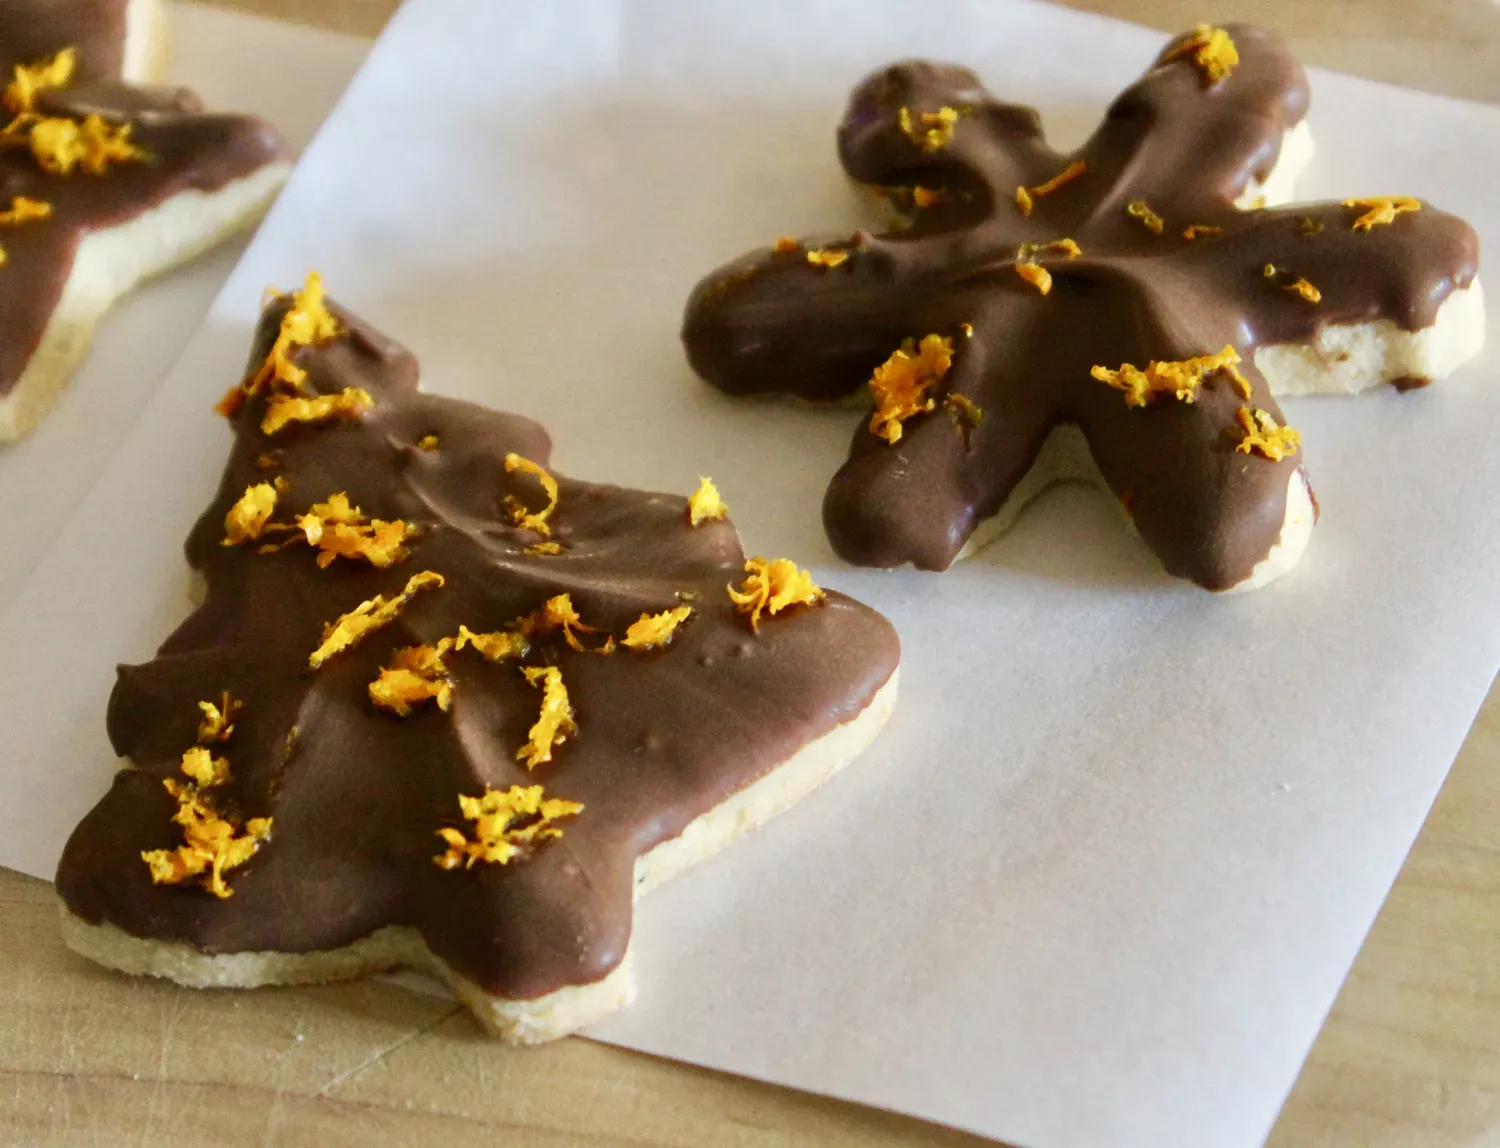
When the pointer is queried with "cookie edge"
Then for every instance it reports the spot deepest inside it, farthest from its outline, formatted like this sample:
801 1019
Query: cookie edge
517 1022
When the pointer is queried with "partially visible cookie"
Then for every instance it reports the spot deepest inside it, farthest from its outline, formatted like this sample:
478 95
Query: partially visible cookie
1111 314
102 185
444 708
113 39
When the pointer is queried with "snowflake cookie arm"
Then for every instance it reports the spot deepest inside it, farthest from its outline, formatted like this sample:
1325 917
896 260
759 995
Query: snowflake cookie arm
1189 148
1293 275
964 443
807 319
932 135
1209 507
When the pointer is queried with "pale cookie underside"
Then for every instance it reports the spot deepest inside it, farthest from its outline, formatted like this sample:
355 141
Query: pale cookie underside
1065 457
544 1018
1347 358
112 262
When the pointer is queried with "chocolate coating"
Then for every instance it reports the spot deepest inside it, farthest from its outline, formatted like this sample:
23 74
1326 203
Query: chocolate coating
663 735
772 322
188 150
31 30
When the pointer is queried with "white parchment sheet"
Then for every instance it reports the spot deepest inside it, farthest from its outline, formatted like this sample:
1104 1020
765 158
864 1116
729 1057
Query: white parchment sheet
1103 876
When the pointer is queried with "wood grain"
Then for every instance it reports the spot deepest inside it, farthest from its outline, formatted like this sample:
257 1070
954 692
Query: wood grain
1409 1057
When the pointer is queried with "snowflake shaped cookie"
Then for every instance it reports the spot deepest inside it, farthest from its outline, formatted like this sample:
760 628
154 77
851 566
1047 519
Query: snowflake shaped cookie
1124 312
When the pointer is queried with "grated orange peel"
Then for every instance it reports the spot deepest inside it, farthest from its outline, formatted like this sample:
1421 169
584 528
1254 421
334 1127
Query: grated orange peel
902 385
371 615
507 822
1180 379
704 504
773 586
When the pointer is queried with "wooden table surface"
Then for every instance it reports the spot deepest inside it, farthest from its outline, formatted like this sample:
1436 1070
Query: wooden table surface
1410 1055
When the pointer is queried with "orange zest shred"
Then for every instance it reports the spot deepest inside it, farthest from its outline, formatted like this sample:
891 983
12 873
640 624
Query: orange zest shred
557 613
427 442
785 245
61 145
1035 274
829 257
525 519
967 329
705 503
212 844
1212 50
283 410
1306 290
219 718
1194 230
924 196
554 725
1265 435
247 518
930 131
336 529
368 617
654 629
544 549
1026 197
23 210
773 586
203 768
497 646
415 675
901 384
506 822
1180 379
1137 209
1381 210
30 80
1028 252
307 321
965 411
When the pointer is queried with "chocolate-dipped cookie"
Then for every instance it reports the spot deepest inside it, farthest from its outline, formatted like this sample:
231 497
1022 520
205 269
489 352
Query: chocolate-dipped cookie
1124 312
113 39
443 708
102 185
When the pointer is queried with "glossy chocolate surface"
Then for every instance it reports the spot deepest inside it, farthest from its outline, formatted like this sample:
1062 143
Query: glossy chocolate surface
773 322
357 794
31 30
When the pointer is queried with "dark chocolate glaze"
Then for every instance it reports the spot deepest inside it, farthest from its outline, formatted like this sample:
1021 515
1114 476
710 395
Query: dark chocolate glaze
188 151
32 30
773 322
663 736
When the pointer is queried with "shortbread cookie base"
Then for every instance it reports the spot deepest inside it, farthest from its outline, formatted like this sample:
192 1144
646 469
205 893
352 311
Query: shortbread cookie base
1065 457
113 262
1295 154
147 45
514 1021
1347 358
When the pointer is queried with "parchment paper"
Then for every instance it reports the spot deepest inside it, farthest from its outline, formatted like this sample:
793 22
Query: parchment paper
1103 876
